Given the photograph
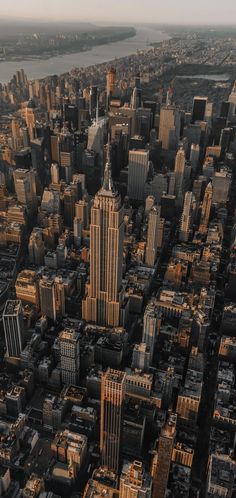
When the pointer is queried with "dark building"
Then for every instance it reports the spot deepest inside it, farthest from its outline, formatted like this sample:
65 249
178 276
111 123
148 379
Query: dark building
199 109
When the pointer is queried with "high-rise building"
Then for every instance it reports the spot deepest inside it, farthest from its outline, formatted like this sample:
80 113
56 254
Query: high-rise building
51 201
66 163
78 228
199 186
112 406
25 187
111 82
13 328
69 205
150 327
36 247
95 136
162 461
30 117
82 212
135 482
194 155
47 297
221 183
27 287
206 206
16 138
102 304
93 101
69 356
141 356
199 109
221 476
55 173
152 236
187 216
169 128
149 203
179 172
137 173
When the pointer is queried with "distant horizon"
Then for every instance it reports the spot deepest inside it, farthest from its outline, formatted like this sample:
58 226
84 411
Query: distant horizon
181 13
111 22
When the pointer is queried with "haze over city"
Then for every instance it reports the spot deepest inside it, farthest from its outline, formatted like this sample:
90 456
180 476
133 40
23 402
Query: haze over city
131 11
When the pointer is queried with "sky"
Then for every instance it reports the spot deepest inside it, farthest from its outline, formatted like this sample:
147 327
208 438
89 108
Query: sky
128 11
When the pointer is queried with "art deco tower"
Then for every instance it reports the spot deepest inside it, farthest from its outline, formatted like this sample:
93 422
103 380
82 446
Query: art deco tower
102 304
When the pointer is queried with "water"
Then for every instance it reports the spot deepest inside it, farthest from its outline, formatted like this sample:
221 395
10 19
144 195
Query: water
63 63
211 77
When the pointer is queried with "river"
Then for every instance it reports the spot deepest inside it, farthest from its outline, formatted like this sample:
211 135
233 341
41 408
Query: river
102 53
210 77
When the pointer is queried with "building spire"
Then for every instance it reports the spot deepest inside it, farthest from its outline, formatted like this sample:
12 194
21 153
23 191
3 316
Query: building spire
107 182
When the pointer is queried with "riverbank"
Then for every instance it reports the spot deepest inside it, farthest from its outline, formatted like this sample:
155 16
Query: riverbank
76 47
60 64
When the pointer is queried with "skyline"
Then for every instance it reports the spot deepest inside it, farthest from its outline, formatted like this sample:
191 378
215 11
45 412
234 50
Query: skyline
204 12
117 255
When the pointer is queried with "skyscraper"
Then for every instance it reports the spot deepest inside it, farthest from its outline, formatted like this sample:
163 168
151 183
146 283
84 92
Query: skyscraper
102 304
30 118
111 82
69 356
112 404
16 138
13 328
199 109
194 155
162 462
47 297
55 176
169 128
150 327
187 216
138 172
82 212
36 247
152 235
25 187
179 172
206 206
221 184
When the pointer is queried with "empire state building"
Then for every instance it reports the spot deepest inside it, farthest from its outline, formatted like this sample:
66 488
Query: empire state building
102 303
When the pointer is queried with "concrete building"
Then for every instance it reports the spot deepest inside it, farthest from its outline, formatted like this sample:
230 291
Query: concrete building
69 447
27 287
187 217
206 207
150 327
25 188
169 128
153 235
112 406
138 169
69 356
135 482
221 476
13 328
141 356
179 173
162 461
